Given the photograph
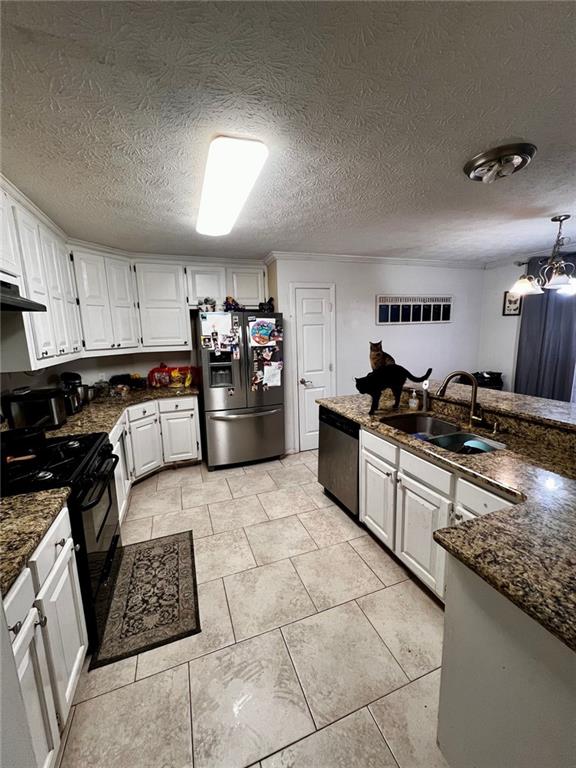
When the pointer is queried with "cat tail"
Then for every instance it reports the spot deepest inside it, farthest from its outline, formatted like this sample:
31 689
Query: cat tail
419 378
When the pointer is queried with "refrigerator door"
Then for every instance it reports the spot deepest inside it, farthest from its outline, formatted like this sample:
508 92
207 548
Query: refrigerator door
223 369
262 393
247 434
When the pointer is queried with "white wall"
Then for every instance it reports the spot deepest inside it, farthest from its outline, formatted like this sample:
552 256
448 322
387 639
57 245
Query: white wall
443 347
498 338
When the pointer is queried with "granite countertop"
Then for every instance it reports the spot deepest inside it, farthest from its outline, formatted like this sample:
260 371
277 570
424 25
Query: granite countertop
25 518
527 552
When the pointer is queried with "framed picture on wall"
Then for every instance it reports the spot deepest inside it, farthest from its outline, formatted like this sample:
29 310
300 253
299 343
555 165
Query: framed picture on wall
512 305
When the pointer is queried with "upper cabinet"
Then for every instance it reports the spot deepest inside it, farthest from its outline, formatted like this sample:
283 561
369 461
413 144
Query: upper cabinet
121 290
90 269
9 255
164 315
246 285
205 283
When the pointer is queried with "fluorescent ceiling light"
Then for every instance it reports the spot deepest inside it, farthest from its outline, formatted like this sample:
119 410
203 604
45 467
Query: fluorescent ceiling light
232 168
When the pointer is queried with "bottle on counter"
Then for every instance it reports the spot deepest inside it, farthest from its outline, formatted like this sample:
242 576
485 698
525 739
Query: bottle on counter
413 403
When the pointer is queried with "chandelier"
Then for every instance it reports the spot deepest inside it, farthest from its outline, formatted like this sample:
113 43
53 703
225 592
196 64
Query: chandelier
554 274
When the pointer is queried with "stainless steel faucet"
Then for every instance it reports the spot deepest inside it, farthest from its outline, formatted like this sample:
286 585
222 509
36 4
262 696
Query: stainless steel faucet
476 415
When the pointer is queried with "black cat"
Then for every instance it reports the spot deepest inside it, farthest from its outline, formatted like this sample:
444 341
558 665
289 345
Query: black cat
387 377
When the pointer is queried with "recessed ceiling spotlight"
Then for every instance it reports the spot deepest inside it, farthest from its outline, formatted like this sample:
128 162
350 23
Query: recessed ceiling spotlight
232 168
500 162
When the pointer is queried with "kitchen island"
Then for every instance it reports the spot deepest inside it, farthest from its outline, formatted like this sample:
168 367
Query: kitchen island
508 692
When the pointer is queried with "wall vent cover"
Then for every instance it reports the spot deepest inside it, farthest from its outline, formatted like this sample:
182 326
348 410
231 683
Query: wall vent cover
401 310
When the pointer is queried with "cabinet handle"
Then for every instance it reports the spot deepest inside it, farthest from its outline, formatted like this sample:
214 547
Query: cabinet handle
76 547
399 480
42 621
155 421
112 345
60 543
388 474
176 406
185 342
15 628
144 411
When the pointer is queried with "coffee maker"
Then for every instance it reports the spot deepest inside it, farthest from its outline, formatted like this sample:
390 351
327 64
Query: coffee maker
71 384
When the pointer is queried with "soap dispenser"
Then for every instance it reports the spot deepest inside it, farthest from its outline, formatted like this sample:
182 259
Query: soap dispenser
413 403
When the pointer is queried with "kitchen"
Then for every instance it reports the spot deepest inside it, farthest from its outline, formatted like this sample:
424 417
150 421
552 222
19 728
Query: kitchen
360 223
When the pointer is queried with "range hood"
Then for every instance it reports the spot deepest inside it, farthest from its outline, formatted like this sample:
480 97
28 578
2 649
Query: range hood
11 301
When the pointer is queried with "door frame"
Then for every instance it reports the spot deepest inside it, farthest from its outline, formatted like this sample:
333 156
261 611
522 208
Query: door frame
293 351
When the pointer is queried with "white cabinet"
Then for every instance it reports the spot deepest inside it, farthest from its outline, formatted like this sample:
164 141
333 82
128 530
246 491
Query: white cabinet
122 474
419 512
122 303
90 271
164 315
72 309
51 254
9 255
34 679
64 632
146 445
246 285
203 283
378 497
179 436
36 285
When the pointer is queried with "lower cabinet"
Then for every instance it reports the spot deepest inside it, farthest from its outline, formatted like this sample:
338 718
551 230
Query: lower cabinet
419 512
179 436
146 445
34 678
122 448
378 497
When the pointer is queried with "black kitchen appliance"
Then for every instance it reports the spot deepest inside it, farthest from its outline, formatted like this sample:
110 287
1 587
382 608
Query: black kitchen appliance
85 463
28 407
11 301
338 458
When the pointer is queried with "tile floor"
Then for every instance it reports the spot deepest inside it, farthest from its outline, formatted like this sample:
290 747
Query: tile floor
317 649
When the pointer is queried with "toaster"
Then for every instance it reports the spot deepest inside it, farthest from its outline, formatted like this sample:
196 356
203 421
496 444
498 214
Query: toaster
41 407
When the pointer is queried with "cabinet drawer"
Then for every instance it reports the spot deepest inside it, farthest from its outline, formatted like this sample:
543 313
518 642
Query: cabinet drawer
149 408
426 472
177 404
46 553
478 500
19 600
380 447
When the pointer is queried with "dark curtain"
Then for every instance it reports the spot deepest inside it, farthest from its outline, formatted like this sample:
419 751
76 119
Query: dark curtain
547 344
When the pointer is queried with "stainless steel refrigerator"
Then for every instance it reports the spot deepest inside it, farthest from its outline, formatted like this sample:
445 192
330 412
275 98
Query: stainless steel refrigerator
241 355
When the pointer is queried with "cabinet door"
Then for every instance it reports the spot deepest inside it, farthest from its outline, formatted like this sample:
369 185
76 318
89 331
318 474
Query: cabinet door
247 285
146 447
163 311
34 678
60 602
9 255
53 270
120 477
179 436
72 309
419 512
122 303
36 287
90 271
378 497
203 283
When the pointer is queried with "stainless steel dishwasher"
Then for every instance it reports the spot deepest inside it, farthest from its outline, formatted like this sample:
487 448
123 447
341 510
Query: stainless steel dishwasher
338 458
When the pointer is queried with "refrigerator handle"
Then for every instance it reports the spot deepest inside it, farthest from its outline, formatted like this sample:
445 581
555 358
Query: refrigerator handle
235 416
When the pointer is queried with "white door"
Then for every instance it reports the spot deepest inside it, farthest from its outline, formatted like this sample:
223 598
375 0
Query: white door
34 677
315 367
36 287
163 311
146 446
90 271
51 255
60 602
179 436
419 512
206 283
9 256
247 285
72 309
378 497
122 303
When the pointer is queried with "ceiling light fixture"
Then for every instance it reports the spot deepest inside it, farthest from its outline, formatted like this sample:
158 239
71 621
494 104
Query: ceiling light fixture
232 167
500 162
554 274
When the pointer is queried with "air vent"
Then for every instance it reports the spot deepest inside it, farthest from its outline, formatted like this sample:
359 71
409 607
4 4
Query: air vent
401 310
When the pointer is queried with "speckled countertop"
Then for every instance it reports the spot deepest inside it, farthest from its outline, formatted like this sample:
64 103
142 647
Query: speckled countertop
25 518
527 552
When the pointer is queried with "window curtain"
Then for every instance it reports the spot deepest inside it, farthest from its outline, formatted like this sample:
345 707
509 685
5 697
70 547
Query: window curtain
547 344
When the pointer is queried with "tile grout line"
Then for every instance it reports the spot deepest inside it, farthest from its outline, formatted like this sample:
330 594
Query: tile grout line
380 636
299 682
381 732
229 611
305 587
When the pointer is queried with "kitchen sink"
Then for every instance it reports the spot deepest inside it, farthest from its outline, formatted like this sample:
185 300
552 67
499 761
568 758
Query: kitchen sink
466 443
421 424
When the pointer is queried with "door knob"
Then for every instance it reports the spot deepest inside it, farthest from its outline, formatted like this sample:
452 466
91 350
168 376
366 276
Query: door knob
306 381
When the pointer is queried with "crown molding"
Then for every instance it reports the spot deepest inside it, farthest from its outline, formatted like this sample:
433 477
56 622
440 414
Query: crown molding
275 256
20 198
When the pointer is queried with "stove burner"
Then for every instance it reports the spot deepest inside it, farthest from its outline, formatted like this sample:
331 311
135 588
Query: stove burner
44 475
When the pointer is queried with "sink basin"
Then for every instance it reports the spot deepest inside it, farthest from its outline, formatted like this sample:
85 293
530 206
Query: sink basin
419 424
466 443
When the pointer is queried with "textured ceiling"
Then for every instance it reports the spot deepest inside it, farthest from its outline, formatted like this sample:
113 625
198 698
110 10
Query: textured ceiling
369 110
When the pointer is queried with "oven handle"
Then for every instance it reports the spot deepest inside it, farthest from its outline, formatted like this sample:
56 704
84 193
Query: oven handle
105 476
234 416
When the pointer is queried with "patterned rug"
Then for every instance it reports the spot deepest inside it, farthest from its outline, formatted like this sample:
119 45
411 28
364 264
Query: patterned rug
155 600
